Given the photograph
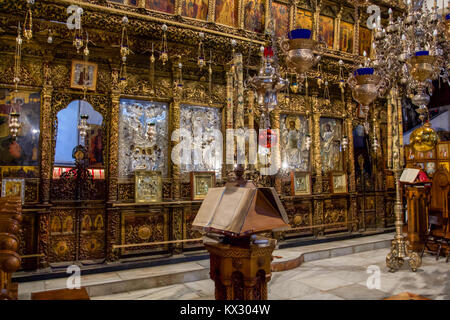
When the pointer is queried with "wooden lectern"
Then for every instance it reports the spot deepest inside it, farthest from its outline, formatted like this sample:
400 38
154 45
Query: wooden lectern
240 261
417 196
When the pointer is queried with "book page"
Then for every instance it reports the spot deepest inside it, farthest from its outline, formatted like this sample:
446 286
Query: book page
409 175
209 205
233 205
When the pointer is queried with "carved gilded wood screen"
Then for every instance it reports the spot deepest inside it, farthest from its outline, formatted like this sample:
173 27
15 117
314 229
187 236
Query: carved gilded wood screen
330 146
143 137
294 153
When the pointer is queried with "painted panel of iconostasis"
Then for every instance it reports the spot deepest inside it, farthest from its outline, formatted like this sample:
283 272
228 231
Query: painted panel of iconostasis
331 156
200 130
66 224
295 153
19 160
143 142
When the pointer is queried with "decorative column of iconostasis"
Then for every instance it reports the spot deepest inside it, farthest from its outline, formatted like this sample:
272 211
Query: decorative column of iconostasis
275 125
337 28
113 157
178 7
251 126
240 91
315 22
292 9
317 165
211 11
353 214
229 126
175 125
45 166
113 215
46 136
356 32
177 211
241 15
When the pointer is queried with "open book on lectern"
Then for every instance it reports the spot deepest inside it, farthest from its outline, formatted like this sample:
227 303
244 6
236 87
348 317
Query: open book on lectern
240 211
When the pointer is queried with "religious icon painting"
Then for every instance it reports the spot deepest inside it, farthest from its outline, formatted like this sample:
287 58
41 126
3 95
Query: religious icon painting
197 9
201 182
429 154
365 40
13 188
330 149
254 12
445 164
294 134
430 168
300 183
84 74
346 37
409 153
148 186
24 150
303 19
338 183
280 18
226 12
167 6
326 30
443 150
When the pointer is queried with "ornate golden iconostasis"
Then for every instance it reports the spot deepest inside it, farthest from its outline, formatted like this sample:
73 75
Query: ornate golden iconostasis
326 188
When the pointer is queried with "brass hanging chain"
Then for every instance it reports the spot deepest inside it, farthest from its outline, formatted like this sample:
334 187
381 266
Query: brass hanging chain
152 70
18 58
124 52
86 53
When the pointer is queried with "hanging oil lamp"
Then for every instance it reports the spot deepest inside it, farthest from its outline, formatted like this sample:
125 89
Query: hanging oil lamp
344 143
341 76
319 77
14 122
164 57
28 25
201 52
83 127
78 40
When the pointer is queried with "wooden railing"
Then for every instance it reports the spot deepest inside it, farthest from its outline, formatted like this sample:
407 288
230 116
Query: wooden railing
10 260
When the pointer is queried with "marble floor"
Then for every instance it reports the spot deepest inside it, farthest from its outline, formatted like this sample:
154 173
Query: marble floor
339 278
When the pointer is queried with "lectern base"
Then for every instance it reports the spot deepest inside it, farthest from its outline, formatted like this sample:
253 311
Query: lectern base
240 273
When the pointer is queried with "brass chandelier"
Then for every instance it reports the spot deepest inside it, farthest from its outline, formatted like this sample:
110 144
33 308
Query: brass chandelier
411 53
